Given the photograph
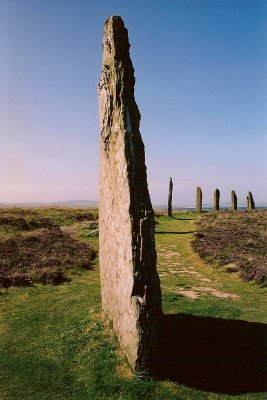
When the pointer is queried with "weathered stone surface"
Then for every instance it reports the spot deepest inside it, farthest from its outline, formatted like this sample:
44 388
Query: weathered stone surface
217 200
170 198
250 202
199 200
234 200
130 286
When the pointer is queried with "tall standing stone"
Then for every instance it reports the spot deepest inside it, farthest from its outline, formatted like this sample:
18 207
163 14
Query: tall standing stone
250 202
234 200
130 287
170 198
199 200
217 200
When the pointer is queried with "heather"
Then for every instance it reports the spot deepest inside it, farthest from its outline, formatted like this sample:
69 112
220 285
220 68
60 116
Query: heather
236 241
34 249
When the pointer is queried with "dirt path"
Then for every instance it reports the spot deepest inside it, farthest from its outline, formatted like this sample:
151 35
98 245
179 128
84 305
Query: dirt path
172 263
72 230
180 269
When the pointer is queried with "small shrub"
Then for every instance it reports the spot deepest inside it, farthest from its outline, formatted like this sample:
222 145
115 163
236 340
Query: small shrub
47 276
15 279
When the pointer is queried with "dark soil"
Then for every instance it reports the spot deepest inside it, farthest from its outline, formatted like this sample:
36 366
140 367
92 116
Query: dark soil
236 240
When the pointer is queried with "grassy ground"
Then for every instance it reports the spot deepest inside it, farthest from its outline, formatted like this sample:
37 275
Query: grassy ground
55 343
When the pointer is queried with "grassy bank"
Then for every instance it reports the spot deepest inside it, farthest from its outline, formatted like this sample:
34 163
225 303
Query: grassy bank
56 344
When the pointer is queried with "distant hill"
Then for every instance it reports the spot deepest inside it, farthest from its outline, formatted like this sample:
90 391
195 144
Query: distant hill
94 203
65 203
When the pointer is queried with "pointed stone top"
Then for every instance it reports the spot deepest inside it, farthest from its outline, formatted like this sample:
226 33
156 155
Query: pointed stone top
116 84
115 18
115 39
116 24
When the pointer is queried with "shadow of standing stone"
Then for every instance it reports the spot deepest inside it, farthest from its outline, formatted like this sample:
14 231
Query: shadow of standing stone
213 354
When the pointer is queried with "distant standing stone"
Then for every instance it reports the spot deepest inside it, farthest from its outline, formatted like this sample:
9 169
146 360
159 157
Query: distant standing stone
250 202
234 200
199 200
130 286
170 198
217 200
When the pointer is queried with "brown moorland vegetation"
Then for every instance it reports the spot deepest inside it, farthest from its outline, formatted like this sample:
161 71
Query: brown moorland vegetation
235 240
34 249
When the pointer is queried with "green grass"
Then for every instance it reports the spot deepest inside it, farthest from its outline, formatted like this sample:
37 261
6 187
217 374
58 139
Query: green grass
56 344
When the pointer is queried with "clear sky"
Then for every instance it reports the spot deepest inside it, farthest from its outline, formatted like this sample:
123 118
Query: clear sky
201 87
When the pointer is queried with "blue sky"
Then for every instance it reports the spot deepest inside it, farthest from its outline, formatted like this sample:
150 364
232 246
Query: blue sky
201 88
